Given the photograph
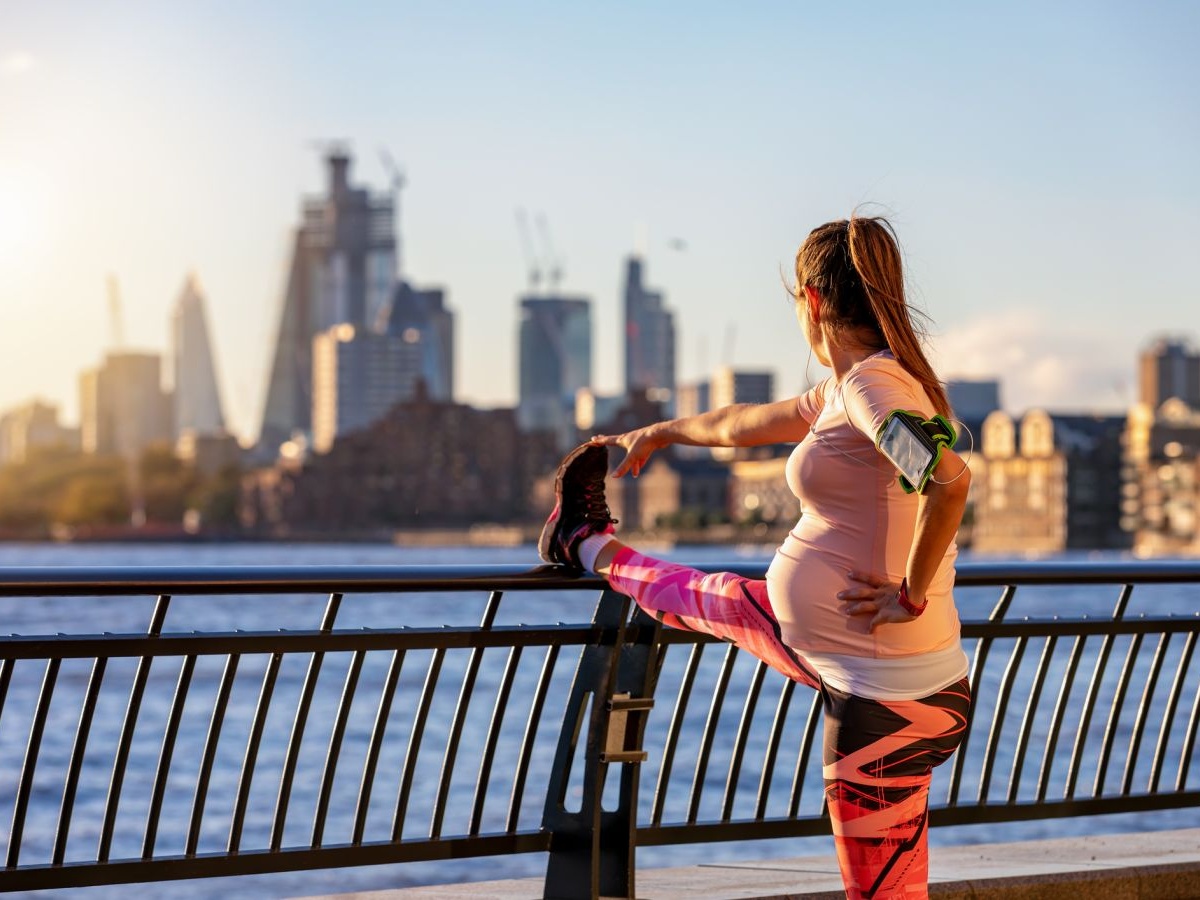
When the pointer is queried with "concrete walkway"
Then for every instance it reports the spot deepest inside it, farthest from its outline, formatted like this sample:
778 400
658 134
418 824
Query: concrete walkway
1163 865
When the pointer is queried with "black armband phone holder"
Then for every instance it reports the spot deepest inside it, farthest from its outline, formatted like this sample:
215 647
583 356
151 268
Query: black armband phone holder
914 445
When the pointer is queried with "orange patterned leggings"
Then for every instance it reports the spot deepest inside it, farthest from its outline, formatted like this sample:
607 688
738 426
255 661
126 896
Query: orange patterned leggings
878 755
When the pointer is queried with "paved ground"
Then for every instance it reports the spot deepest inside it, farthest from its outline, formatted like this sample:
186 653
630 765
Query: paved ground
1157 865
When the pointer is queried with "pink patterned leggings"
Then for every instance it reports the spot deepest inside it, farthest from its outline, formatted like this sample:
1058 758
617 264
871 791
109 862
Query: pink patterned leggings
878 754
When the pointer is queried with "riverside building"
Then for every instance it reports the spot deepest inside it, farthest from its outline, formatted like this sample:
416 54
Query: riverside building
1048 482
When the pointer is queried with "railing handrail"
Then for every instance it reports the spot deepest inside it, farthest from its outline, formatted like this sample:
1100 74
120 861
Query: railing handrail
45 581
1128 729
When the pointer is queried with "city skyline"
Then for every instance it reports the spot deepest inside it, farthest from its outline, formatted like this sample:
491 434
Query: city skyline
1040 195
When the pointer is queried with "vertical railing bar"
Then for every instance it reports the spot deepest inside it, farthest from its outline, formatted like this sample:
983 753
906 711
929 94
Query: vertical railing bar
415 737
493 736
386 695
215 723
460 717
1189 741
806 745
710 732
140 677
1143 713
86 714
742 736
527 742
998 716
982 649
166 751
1114 714
303 705
250 758
333 754
1164 733
1039 680
1089 704
25 784
683 697
6 669
1060 709
773 742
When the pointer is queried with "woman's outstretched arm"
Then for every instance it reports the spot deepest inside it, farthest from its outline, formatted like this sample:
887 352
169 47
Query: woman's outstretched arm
740 425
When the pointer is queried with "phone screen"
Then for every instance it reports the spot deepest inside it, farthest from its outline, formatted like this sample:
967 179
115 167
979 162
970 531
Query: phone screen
905 449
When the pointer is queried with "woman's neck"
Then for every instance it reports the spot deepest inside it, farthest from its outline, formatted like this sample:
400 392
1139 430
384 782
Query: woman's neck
845 355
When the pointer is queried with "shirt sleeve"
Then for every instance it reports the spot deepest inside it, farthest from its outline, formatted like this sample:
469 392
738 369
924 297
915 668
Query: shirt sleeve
872 392
812 401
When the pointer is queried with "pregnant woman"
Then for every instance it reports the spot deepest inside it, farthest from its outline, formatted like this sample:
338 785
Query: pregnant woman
857 602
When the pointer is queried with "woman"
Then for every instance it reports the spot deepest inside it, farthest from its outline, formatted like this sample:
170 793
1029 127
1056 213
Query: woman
857 601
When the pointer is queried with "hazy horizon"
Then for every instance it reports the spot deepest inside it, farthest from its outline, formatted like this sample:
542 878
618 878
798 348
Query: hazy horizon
1038 163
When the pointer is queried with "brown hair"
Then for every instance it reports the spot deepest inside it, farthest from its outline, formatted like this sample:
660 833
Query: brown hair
856 268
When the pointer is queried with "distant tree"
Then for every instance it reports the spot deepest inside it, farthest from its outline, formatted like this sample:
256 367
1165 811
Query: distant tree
89 499
59 485
166 483
216 498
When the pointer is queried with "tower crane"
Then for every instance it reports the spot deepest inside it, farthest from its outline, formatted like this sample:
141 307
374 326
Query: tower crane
116 321
554 264
533 268
397 184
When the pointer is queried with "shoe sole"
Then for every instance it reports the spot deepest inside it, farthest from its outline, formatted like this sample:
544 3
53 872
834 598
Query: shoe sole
546 540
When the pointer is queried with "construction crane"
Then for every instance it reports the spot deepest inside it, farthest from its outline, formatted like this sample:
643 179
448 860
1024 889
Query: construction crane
116 321
554 264
532 267
398 183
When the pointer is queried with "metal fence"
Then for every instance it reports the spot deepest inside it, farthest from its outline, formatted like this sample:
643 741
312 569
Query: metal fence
192 748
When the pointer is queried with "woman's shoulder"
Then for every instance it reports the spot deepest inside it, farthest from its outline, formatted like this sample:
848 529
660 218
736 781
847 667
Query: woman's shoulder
880 381
882 367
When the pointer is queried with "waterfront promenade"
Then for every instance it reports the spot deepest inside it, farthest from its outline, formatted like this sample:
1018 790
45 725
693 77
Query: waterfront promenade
1163 865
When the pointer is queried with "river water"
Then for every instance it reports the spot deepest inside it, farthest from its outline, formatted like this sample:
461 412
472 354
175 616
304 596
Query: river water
81 615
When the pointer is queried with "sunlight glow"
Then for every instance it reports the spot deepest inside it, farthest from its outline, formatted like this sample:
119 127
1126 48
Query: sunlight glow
24 219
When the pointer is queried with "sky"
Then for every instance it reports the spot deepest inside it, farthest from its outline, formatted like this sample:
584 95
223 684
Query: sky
1039 162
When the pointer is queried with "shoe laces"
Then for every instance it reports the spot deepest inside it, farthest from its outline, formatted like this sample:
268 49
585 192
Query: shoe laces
595 506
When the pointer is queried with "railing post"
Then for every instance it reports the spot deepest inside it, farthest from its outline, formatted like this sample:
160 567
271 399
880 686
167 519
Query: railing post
592 849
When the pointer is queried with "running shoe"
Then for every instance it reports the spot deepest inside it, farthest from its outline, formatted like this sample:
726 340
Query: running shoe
580 509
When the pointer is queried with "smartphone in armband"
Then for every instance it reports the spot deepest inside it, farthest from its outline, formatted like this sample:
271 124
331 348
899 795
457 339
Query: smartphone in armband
914 446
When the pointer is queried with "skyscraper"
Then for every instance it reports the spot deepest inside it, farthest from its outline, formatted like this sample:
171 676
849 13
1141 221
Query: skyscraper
342 270
197 400
122 406
1169 368
729 386
555 361
419 317
649 338
358 375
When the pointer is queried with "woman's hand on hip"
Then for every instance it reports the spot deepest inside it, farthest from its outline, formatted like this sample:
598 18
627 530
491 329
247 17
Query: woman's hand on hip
877 598
638 445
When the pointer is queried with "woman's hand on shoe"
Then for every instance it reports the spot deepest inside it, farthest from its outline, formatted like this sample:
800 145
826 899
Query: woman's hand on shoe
638 445
878 598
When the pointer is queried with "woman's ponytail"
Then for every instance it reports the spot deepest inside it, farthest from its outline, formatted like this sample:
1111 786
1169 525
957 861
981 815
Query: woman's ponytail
875 255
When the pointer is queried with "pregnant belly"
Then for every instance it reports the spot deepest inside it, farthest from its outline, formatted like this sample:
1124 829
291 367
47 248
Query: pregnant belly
803 583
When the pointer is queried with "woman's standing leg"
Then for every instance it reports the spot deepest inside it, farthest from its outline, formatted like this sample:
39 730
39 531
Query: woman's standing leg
879 758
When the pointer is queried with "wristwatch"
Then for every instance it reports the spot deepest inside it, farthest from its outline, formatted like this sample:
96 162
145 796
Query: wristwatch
907 605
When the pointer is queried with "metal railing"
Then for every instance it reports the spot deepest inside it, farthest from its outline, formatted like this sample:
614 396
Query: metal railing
182 751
